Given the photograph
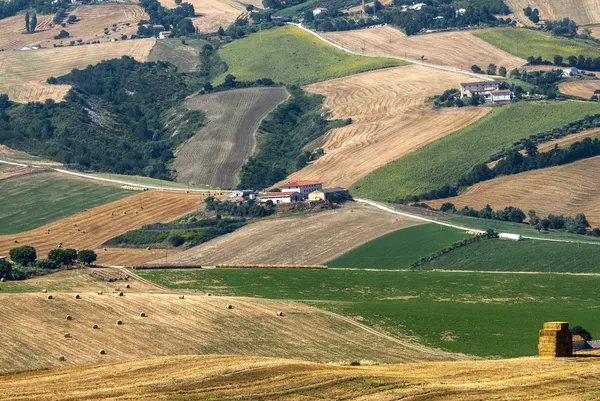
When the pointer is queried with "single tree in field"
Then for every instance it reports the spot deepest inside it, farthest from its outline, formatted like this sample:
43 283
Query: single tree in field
33 23
86 256
558 60
27 21
491 70
5 269
502 71
23 255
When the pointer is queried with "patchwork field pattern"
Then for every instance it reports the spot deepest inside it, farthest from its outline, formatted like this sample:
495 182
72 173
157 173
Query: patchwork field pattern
584 89
215 154
212 14
389 120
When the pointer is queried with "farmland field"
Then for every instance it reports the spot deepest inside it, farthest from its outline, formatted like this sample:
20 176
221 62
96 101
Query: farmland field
455 49
24 74
389 119
484 314
523 43
185 57
215 154
311 239
91 24
290 55
584 89
581 11
444 161
569 189
397 250
33 200
568 140
9 171
141 180
212 14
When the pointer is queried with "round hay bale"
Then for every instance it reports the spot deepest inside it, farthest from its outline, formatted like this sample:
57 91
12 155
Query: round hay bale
209 294
102 352
128 286
2 280
62 358
279 313
119 322
104 249
99 292
143 315
95 327
77 296
229 306
69 317
68 335
147 248
181 297
16 241
44 291
50 297
121 294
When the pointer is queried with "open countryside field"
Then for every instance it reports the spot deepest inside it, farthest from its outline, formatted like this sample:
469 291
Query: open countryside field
24 74
397 250
570 189
523 43
290 55
451 49
302 240
31 201
389 119
584 89
474 313
215 154
444 161
185 57
211 14
90 228
91 24
8 171
583 12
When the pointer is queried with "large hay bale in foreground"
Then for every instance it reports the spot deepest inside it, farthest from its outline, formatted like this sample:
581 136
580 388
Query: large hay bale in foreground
555 340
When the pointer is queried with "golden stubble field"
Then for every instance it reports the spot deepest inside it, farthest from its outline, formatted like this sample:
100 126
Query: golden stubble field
212 14
583 12
584 88
389 119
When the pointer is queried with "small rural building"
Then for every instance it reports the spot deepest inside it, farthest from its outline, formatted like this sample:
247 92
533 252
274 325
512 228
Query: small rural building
510 237
320 11
501 96
164 35
280 197
578 343
461 11
246 193
417 7
570 72
482 88
303 187
326 194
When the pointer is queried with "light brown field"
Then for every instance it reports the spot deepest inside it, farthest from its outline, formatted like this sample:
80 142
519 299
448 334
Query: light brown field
389 120
97 225
93 20
451 49
211 14
359 7
245 378
584 89
24 74
595 30
216 153
301 240
8 171
569 189
197 324
567 140
583 12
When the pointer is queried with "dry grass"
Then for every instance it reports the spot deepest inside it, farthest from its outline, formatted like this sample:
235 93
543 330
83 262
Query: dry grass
98 225
454 49
569 189
296 240
227 377
567 140
583 12
8 171
93 20
24 74
214 156
584 89
211 14
389 120
172 326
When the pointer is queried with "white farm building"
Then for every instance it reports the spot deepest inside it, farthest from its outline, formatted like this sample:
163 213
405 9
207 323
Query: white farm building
280 197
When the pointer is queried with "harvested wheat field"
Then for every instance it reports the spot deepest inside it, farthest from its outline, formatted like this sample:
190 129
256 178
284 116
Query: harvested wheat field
568 140
197 324
8 171
241 377
583 12
315 239
90 228
584 89
451 49
389 120
24 74
215 154
569 189
133 256
212 14
90 27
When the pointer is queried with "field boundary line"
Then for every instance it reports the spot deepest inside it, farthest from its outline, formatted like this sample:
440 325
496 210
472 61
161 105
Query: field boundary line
437 67
139 278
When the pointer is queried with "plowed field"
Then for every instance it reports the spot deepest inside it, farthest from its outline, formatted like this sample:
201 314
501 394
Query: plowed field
451 49
389 120
584 89
211 14
583 12
24 74
216 153
569 189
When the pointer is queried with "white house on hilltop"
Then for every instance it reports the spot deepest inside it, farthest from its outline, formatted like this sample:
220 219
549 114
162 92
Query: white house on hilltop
319 11
302 187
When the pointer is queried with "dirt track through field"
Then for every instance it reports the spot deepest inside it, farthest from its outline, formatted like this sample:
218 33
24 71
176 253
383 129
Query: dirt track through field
569 189
450 49
389 120
584 89
583 12
315 239
216 153
212 14
24 74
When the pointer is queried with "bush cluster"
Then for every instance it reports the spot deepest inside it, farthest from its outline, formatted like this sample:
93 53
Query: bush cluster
246 209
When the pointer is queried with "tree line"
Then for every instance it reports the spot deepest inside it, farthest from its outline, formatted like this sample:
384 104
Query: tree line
245 209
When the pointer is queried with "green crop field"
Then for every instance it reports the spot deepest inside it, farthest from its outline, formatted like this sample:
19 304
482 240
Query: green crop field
31 201
444 161
290 55
526 42
399 249
485 314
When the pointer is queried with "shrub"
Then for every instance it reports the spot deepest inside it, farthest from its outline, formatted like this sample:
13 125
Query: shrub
63 257
46 264
5 269
176 240
23 255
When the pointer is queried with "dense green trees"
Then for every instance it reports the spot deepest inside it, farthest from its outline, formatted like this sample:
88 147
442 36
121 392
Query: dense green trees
23 255
247 209
174 19
12 7
86 256
63 257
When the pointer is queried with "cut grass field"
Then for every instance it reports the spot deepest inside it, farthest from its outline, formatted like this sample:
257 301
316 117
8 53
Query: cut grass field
484 314
583 12
24 74
389 119
397 250
584 88
450 49
444 161
31 201
185 57
523 43
215 154
290 55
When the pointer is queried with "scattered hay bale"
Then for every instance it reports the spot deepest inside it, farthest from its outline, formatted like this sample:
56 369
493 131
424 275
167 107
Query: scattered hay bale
279 313
143 315
95 327
102 352
556 340
104 249
2 280
77 296
119 322
50 297
16 241
99 292
229 306
128 286
44 291
121 294
209 294
69 317
181 297
68 335
62 358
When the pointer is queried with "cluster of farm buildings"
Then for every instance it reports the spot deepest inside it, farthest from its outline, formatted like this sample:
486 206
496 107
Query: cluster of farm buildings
296 191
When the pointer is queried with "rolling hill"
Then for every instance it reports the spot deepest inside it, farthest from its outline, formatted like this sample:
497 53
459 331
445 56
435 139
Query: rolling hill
584 89
583 12
212 14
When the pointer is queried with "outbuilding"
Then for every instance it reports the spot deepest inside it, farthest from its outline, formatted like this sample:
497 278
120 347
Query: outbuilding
280 197
326 194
